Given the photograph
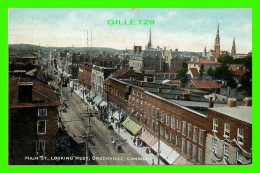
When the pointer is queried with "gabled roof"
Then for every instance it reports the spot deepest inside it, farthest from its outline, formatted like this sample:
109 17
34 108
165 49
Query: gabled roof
205 84
238 72
175 81
120 72
195 72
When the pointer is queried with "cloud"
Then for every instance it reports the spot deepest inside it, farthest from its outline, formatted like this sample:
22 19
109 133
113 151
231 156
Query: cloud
166 17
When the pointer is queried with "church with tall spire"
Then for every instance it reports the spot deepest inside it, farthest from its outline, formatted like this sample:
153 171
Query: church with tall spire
233 50
217 44
149 45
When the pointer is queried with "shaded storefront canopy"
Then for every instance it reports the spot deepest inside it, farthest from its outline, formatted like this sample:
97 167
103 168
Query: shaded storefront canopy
148 138
97 100
131 126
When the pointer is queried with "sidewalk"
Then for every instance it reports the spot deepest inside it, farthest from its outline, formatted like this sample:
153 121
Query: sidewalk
126 136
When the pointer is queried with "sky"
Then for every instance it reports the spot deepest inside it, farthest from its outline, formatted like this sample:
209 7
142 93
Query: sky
184 29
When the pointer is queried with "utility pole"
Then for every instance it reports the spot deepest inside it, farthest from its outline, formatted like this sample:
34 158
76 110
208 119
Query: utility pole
89 133
158 153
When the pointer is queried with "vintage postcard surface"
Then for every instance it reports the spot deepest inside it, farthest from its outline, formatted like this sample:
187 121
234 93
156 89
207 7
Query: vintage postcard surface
130 86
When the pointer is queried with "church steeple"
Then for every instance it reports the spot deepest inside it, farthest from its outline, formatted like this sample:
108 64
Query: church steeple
233 50
205 52
217 44
149 46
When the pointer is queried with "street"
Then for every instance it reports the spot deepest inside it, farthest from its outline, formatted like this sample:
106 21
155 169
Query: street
100 145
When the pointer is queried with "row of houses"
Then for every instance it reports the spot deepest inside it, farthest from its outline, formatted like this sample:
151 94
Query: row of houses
191 128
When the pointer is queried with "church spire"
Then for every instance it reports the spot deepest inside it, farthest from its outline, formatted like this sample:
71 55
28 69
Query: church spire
233 50
217 44
149 46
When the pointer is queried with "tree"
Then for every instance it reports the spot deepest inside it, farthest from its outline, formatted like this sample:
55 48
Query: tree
182 75
223 73
210 72
202 70
184 65
226 59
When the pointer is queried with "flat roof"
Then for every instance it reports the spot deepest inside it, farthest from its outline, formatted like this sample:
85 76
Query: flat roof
243 113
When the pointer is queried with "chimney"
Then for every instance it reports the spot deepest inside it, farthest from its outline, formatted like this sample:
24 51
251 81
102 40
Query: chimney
158 47
159 90
185 96
232 102
171 50
211 104
25 91
164 48
248 101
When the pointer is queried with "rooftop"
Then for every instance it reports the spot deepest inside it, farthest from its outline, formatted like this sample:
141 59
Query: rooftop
42 94
204 61
205 84
194 72
243 113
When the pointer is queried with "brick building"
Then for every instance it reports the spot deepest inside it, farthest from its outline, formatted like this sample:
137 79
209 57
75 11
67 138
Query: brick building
33 121
84 75
181 118
229 139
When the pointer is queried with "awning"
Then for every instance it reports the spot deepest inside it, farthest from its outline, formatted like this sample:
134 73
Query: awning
103 103
182 161
148 138
168 153
116 115
173 156
131 126
97 99
91 94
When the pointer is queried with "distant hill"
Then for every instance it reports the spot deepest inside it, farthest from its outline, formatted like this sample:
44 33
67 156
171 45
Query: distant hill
199 54
76 49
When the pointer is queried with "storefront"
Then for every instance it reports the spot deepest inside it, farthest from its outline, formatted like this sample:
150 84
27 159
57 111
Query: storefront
133 127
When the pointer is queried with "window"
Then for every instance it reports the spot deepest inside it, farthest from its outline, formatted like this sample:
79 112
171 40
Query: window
133 92
189 130
166 133
167 119
153 111
240 136
162 117
239 158
153 127
201 137
178 125
172 122
177 141
183 128
172 137
145 121
149 110
137 94
161 131
195 134
141 117
215 125
142 96
141 105
133 101
200 155
42 112
40 148
129 99
158 113
41 127
183 144
145 107
226 150
137 103
194 151
214 145
227 130
188 147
